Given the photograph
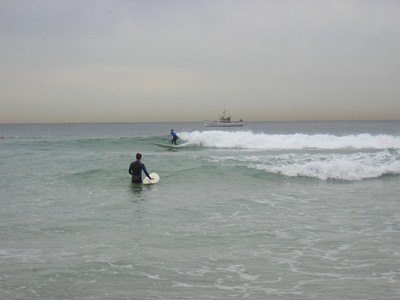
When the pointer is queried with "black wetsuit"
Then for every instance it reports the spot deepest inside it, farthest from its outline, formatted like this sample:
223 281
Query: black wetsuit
135 169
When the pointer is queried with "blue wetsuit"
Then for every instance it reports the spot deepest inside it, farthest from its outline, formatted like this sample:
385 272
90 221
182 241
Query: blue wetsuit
135 169
174 137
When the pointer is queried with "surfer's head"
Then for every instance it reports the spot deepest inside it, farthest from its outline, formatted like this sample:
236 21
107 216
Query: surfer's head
138 156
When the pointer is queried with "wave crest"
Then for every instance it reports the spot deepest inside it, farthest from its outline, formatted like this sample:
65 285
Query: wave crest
250 140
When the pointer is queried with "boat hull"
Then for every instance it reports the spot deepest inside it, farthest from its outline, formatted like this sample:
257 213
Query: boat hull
222 124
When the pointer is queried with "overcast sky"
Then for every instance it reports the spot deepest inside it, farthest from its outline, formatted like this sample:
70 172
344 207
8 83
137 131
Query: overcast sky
171 60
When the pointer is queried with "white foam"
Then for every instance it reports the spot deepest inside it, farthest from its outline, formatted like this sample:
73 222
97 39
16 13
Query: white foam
250 140
353 166
321 164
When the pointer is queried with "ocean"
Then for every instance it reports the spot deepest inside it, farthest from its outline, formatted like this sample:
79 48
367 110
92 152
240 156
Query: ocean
271 210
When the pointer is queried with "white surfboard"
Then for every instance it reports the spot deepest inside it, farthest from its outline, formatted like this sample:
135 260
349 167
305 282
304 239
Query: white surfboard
155 179
169 146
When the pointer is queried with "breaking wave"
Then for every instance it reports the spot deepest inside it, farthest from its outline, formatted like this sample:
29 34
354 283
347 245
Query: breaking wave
250 140
320 156
354 166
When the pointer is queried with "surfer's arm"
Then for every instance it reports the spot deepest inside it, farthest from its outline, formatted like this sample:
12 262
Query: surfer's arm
145 172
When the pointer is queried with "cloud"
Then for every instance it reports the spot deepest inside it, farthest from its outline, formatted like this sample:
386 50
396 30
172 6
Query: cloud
262 60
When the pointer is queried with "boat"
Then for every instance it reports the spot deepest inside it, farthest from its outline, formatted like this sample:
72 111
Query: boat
224 122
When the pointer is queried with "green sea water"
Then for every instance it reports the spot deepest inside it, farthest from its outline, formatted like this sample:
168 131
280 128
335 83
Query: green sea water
273 210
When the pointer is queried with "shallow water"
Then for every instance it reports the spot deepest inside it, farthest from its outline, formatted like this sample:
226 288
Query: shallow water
281 210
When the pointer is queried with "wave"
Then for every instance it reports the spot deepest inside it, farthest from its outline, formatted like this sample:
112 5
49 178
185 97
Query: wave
250 140
323 166
356 166
235 140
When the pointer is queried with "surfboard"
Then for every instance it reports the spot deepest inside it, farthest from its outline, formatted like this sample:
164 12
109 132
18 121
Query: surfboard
169 146
155 179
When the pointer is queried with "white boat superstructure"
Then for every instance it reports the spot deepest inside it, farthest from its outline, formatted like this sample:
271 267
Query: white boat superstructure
224 122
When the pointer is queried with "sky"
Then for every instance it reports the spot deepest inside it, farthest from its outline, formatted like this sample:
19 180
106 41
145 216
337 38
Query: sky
65 61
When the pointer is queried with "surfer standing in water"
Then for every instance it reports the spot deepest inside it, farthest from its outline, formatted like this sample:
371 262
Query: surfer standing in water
174 137
136 168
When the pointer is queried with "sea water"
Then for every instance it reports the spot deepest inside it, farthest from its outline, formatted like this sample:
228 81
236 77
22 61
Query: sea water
271 210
